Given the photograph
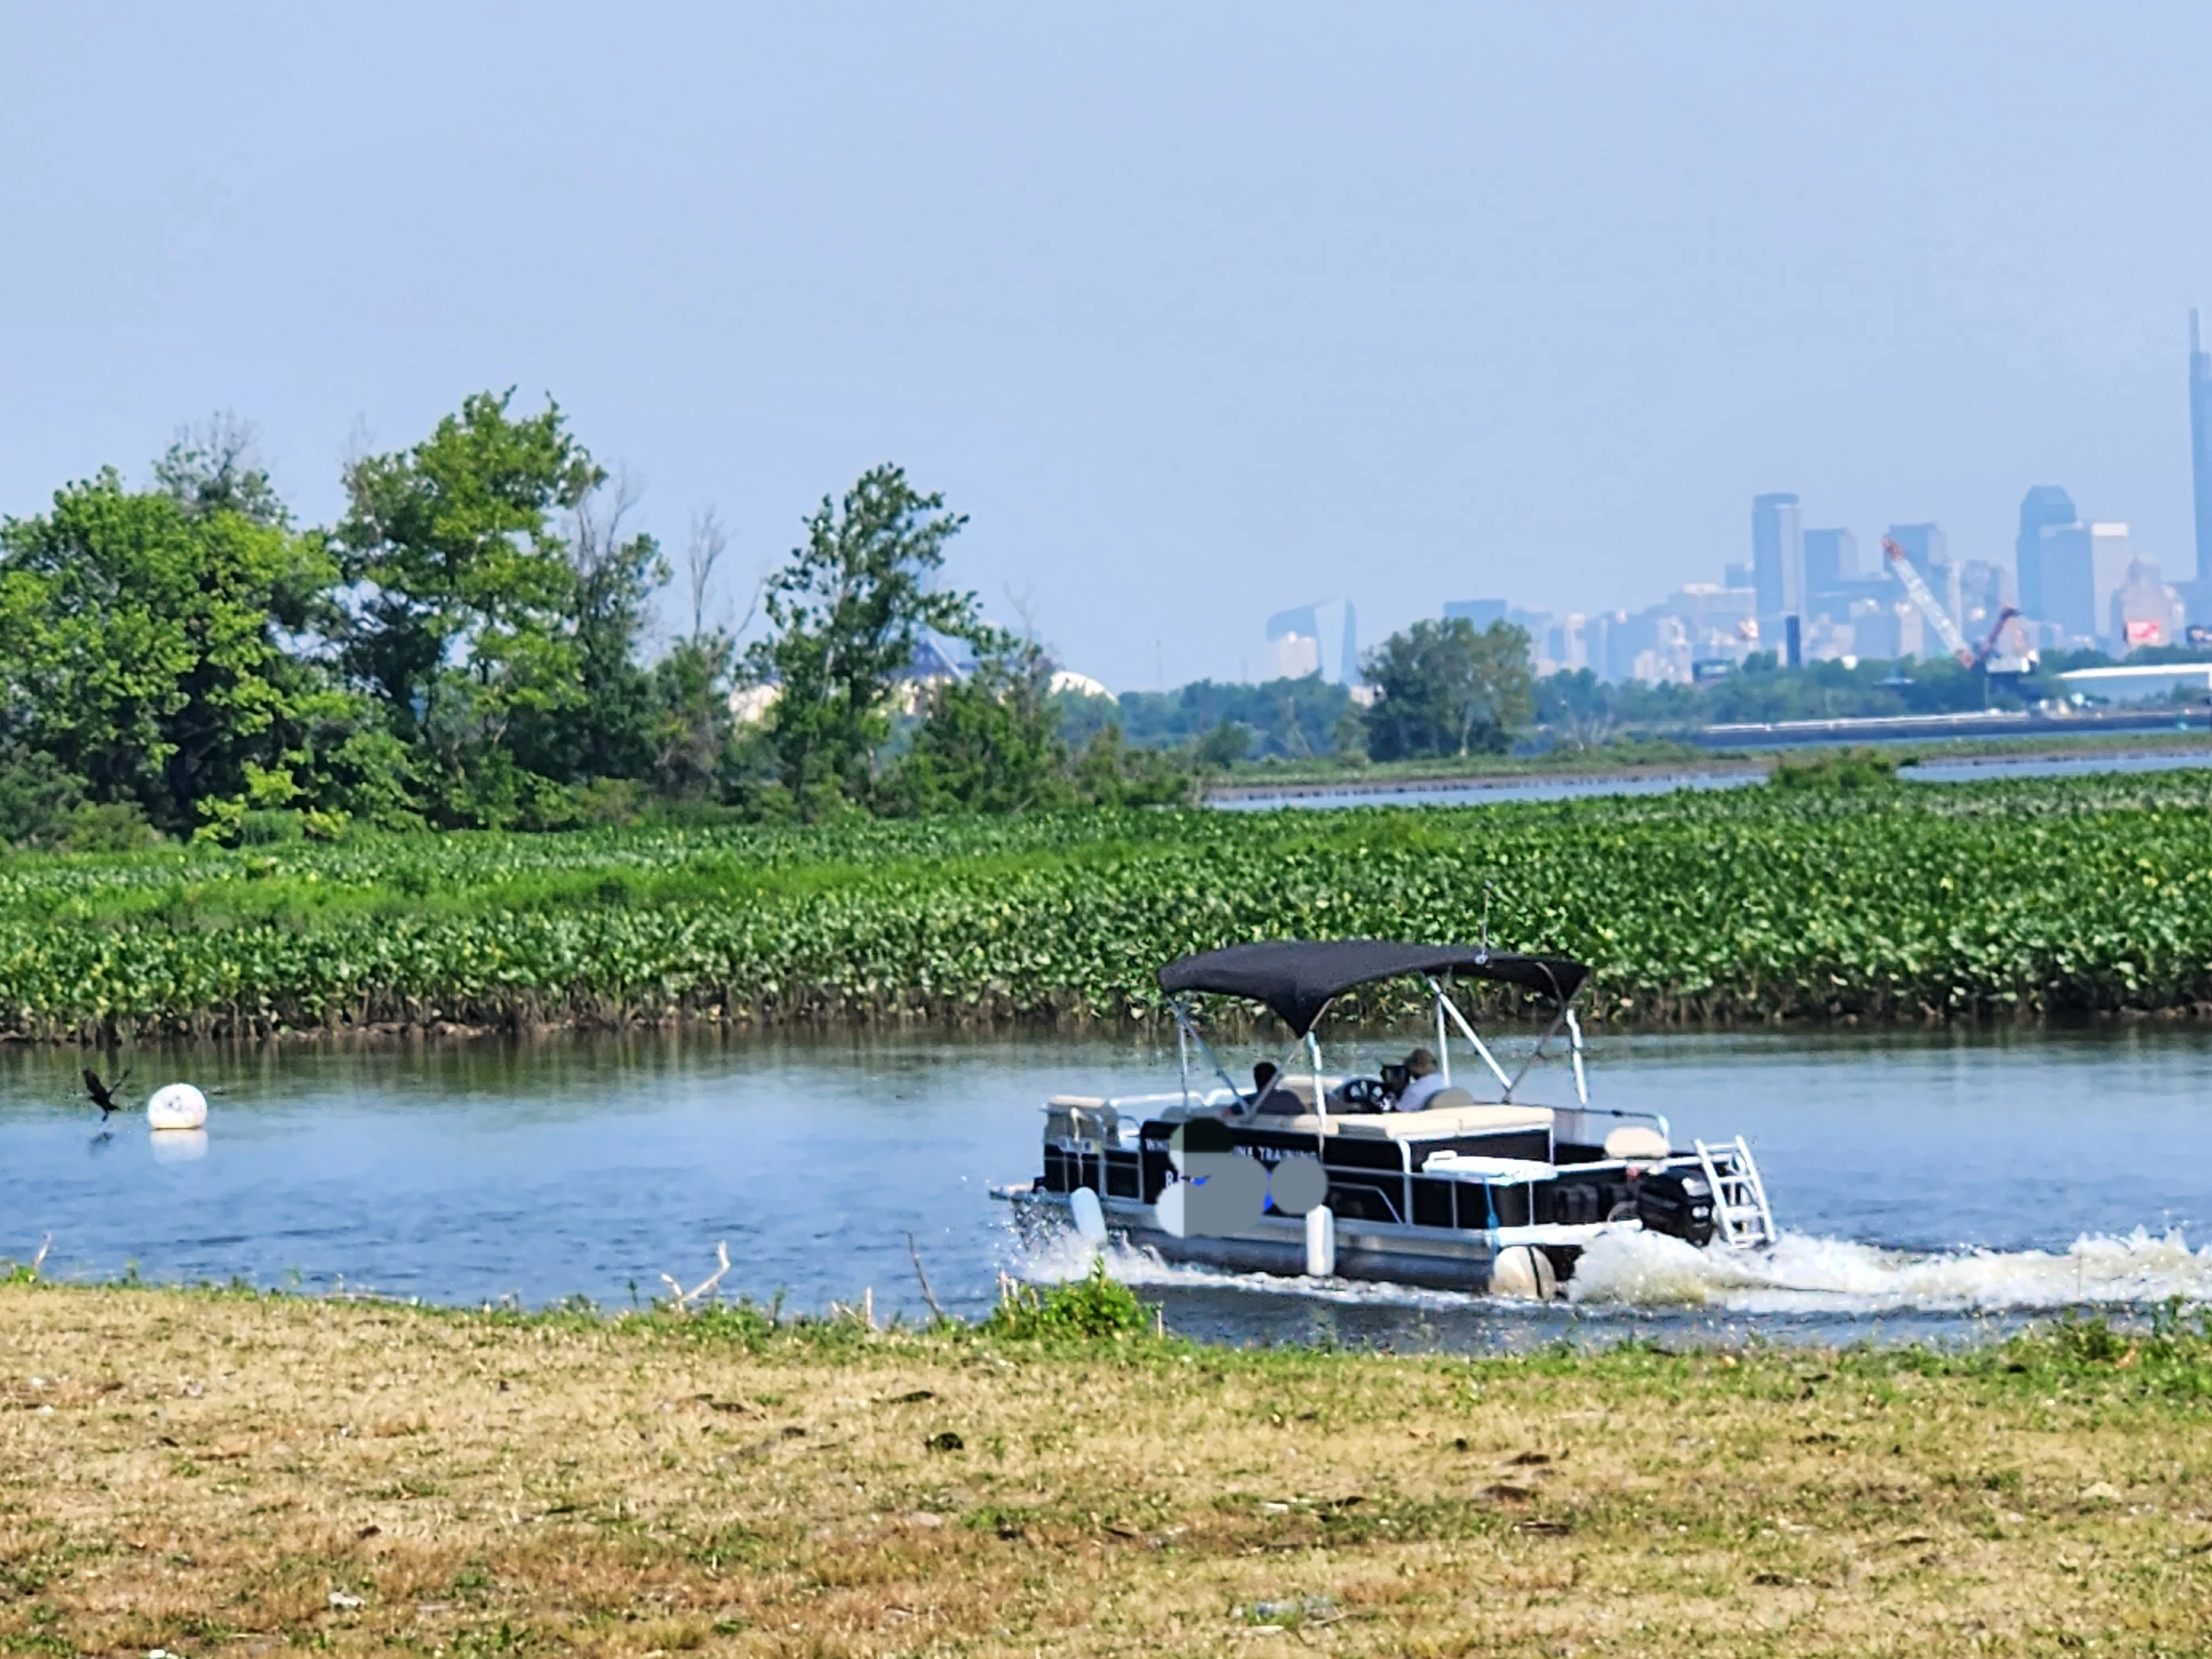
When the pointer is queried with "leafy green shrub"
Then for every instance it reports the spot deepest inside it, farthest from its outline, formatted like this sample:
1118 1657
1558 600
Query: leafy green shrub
37 796
272 827
1093 1309
108 827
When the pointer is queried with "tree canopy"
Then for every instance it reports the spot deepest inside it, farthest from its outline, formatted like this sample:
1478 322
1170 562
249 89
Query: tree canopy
468 647
1443 689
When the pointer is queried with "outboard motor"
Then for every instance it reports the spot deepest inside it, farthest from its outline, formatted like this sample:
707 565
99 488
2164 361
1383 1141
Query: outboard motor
1677 1203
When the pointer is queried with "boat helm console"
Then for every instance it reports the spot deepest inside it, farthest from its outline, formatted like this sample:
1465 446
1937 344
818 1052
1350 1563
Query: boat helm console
1307 1172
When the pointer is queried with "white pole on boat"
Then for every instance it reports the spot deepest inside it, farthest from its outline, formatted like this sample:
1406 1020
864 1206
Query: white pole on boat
1575 1049
1321 1100
1183 1056
1446 1006
1443 1042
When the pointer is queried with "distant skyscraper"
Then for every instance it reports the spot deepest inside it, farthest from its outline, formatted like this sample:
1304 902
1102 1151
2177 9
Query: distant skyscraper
2046 507
2084 566
2066 580
1831 557
2200 444
2111 553
1307 626
1778 555
1480 612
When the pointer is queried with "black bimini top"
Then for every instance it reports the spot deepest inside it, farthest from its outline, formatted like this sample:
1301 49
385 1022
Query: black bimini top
1298 978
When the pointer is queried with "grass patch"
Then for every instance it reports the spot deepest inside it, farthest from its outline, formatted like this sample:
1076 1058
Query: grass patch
1060 1480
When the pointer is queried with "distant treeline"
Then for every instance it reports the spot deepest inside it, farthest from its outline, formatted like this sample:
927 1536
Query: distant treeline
467 648
1311 718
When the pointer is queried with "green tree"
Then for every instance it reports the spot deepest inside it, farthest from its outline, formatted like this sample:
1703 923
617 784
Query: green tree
1445 689
469 619
146 646
213 467
848 613
1110 772
1225 744
608 729
989 743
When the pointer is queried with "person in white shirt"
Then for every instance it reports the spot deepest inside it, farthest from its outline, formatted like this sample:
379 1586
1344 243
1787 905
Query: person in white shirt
1422 1081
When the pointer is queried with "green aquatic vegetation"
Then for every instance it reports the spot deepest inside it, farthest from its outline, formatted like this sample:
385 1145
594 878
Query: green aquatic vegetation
2038 897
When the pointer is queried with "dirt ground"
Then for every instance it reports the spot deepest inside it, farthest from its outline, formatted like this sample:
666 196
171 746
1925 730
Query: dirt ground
207 1474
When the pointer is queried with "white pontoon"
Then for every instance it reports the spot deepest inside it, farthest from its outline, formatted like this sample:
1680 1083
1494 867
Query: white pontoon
1318 1174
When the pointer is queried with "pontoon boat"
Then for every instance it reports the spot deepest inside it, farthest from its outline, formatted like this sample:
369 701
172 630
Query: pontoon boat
1311 1173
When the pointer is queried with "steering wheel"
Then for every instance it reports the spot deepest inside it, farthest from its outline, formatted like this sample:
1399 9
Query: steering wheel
1365 1093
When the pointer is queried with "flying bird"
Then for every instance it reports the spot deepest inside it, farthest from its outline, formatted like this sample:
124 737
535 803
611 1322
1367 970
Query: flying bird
103 1095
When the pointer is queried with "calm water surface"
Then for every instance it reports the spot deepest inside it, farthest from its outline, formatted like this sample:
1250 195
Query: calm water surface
1925 1185
1478 792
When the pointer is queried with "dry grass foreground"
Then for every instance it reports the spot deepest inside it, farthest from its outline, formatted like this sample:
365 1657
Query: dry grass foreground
215 1474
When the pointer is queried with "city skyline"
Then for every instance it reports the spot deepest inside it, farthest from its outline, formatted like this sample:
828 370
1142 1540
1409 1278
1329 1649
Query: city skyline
2075 583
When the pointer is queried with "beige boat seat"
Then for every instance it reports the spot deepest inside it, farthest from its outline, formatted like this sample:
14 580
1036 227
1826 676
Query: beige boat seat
1634 1141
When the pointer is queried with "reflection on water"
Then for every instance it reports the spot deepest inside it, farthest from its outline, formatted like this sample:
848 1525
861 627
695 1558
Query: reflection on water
1925 1183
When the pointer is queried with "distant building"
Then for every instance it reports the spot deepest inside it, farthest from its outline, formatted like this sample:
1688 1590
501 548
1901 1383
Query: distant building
2082 567
2066 581
1652 645
1831 557
2110 555
1082 685
1566 646
2046 507
1297 642
2145 611
1291 656
1480 612
1778 555
1735 575
1888 631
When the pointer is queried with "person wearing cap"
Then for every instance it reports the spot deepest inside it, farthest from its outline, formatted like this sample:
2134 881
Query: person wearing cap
1422 1081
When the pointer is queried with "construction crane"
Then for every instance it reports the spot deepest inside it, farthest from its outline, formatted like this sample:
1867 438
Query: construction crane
1938 617
2019 662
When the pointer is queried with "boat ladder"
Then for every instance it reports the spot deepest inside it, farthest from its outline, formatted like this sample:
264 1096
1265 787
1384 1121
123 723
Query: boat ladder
1740 1215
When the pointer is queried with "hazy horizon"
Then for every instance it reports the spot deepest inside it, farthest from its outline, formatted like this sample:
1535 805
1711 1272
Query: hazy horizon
1198 314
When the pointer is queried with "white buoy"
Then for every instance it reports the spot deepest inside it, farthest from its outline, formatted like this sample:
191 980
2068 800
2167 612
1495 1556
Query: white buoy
176 1106
1524 1273
1321 1242
1090 1219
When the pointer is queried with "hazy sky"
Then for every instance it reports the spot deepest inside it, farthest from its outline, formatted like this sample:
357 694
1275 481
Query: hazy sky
1200 312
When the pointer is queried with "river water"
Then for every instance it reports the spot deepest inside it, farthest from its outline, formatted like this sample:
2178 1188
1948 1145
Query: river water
1926 1186
1480 792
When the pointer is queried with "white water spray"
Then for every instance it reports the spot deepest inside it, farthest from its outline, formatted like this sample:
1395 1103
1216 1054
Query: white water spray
1800 1274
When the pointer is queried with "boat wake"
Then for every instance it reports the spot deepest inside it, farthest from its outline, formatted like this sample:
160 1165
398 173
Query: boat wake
1804 1275
1799 1274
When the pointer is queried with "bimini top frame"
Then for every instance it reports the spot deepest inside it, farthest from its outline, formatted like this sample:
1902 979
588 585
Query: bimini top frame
1299 978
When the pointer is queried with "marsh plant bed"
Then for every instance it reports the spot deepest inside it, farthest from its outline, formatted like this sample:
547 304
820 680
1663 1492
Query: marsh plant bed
212 1473
2007 899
